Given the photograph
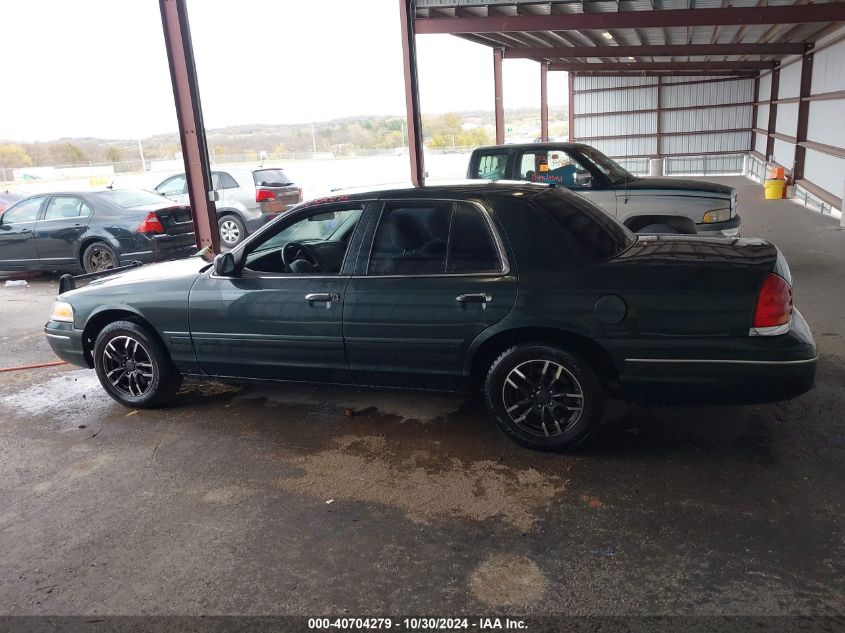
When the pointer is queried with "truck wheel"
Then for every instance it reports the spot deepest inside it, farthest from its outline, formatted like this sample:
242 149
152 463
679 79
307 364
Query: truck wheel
544 397
133 367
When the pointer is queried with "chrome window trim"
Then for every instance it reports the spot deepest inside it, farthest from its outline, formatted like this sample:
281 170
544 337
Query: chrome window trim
722 361
505 266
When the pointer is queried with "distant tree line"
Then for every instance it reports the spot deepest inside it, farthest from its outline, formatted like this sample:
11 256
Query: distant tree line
466 129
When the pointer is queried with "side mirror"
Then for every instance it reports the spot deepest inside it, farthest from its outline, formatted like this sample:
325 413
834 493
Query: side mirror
583 177
224 264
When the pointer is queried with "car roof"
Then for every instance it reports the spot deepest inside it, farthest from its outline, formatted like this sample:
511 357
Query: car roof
521 146
459 188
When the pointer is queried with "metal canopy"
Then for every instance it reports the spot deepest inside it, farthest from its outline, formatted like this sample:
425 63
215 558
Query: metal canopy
697 33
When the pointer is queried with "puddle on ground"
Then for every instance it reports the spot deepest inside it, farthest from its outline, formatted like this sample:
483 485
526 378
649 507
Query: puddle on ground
505 580
421 481
77 392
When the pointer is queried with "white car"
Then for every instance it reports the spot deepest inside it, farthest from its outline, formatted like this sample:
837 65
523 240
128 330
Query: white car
248 198
644 205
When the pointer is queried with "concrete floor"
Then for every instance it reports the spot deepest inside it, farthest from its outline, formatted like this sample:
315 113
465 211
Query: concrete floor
270 500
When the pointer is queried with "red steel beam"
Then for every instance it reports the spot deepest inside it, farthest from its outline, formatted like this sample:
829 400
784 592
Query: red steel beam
183 75
499 104
648 66
412 93
788 14
544 102
656 50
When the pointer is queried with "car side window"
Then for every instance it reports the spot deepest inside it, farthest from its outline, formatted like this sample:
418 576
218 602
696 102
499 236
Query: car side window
411 239
492 166
226 181
548 166
174 186
471 245
61 207
25 211
431 238
326 233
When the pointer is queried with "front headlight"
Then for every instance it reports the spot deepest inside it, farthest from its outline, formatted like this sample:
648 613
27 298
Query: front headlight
62 311
717 215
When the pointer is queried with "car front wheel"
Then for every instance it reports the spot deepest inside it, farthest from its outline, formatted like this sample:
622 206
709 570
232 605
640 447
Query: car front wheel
133 367
544 397
232 231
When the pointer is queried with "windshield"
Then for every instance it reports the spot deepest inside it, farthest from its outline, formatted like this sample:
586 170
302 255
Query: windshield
128 198
271 178
609 167
597 235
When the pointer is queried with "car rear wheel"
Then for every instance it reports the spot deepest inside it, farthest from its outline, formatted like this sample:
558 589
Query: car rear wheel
133 367
232 231
544 397
99 257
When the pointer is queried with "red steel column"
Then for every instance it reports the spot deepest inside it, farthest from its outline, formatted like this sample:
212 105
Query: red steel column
773 113
658 128
497 87
412 93
803 112
544 102
183 75
571 106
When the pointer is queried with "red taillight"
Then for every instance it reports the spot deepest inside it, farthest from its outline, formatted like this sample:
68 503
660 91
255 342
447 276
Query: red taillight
264 194
151 224
774 303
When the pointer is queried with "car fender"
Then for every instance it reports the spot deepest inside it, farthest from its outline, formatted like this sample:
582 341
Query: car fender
511 323
635 204
95 234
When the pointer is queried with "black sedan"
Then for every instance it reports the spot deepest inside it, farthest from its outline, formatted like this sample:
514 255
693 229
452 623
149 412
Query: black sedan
93 231
529 292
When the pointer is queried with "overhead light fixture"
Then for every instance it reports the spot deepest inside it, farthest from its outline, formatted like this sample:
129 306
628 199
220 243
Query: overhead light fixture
630 59
607 35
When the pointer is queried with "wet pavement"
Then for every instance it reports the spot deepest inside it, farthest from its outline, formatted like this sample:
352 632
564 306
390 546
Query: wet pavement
275 500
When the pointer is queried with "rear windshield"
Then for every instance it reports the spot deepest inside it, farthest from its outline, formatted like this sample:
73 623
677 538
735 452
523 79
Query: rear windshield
593 232
128 198
271 178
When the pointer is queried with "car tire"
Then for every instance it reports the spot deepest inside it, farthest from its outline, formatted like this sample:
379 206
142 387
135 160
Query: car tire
555 405
658 229
133 366
232 230
99 257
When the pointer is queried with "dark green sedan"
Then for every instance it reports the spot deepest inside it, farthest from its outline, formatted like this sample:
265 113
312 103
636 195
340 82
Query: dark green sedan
528 292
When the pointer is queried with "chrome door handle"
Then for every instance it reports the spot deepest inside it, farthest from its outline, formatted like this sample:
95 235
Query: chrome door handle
328 297
480 297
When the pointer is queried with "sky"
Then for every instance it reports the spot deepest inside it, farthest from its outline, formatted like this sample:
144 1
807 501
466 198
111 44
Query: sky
99 67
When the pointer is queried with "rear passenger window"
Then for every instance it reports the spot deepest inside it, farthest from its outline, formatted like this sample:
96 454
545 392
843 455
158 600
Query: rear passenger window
61 207
411 240
471 246
492 166
225 181
432 238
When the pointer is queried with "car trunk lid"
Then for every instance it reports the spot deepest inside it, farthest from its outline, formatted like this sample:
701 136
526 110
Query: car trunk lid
691 286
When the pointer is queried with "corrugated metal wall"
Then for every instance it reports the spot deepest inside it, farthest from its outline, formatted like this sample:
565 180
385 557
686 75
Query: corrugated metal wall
619 115
824 167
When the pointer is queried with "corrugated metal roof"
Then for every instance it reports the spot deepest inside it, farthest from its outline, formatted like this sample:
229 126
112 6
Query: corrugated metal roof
650 36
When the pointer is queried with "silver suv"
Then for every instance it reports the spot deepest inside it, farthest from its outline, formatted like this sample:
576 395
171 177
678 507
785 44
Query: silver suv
248 198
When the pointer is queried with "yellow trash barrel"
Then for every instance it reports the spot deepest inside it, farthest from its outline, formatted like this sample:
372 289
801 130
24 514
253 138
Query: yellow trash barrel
774 189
